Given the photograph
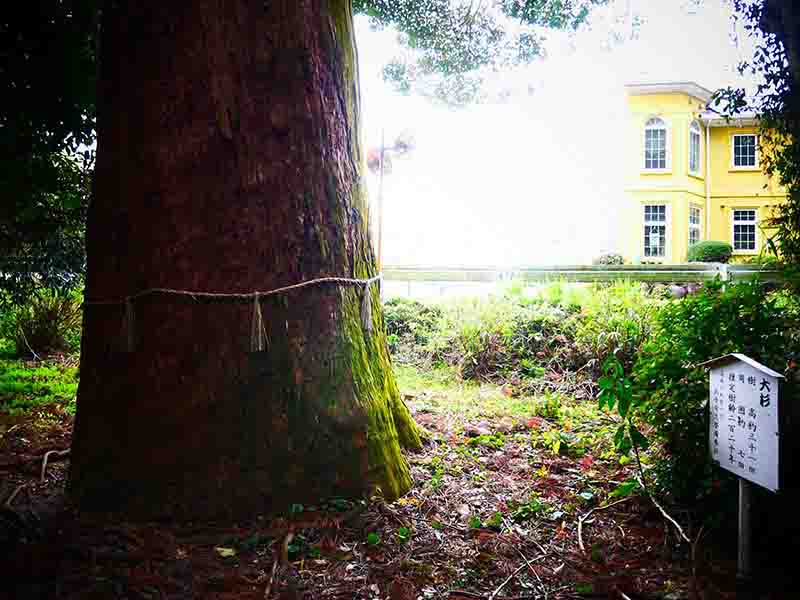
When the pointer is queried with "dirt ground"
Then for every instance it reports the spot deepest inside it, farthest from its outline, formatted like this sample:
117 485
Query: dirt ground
494 514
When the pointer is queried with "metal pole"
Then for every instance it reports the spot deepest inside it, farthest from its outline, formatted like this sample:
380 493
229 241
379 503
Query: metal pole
744 571
380 204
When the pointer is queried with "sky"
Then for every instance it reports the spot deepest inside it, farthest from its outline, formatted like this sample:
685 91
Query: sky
537 179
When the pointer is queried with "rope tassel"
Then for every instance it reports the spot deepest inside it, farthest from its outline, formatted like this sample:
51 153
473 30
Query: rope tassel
257 333
366 308
128 323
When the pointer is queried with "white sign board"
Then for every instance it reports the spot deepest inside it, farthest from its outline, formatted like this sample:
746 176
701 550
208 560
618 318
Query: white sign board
743 404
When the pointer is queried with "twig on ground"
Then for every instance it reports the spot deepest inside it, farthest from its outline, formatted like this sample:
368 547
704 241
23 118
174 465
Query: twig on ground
281 558
533 571
14 494
582 519
47 456
666 515
642 482
35 356
10 429
505 582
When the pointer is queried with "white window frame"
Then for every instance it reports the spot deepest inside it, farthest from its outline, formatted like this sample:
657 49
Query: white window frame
667 145
757 242
695 130
733 165
667 232
698 227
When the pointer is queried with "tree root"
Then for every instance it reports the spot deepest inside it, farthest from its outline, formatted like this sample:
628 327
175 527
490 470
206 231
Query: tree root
47 457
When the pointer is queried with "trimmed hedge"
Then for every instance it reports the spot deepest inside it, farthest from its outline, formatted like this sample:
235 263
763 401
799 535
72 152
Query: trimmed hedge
710 251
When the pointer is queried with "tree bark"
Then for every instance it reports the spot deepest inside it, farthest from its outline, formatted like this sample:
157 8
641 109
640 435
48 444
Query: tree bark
229 160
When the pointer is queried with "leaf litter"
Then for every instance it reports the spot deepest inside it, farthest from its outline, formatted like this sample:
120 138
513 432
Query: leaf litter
493 515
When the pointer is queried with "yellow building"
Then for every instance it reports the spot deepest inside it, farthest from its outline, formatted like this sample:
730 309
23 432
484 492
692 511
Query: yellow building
691 175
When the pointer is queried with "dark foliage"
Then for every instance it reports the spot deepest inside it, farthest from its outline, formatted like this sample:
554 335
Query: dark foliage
776 61
47 82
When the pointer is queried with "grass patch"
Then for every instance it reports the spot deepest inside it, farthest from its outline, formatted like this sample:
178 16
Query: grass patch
441 391
558 422
24 387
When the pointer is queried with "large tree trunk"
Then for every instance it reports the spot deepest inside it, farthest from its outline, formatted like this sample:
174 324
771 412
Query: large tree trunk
229 160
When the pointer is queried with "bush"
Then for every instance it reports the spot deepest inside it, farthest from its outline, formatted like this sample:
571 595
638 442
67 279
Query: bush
615 319
514 337
673 391
710 251
48 322
609 258
411 318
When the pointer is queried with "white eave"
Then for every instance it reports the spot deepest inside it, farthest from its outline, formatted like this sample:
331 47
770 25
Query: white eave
714 119
690 88
735 357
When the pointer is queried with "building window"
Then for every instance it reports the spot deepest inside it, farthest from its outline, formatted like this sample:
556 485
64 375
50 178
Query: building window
695 220
744 230
655 144
745 151
655 231
694 148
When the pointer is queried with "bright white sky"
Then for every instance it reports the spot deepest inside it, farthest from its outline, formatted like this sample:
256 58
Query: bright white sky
535 180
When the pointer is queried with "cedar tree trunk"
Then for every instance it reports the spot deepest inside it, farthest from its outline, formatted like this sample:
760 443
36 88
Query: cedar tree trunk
229 160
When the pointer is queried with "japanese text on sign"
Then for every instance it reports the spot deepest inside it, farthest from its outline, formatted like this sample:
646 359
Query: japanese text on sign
743 405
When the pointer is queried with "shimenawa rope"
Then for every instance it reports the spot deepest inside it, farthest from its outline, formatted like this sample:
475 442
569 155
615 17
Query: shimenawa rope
258 333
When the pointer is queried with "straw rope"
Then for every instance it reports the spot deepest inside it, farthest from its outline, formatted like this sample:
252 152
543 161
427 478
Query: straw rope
258 333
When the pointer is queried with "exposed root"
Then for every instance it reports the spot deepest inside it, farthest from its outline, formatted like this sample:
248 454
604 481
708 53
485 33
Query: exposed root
47 456
14 495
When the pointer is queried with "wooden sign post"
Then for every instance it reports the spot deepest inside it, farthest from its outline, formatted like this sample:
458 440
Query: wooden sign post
744 433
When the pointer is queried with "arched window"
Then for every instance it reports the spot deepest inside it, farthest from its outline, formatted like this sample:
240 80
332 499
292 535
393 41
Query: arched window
655 144
694 148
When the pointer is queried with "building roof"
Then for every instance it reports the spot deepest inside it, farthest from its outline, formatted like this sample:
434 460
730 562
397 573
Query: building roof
715 363
689 88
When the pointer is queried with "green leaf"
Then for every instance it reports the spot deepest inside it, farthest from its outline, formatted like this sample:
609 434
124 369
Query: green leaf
373 539
622 440
225 552
638 438
625 489
403 533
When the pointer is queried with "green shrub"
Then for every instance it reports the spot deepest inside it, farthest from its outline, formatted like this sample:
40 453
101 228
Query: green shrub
48 322
673 391
615 319
513 337
710 251
410 324
609 258
504 338
568 296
